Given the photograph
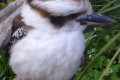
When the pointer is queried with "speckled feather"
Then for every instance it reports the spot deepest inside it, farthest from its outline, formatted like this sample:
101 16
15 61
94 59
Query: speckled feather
19 30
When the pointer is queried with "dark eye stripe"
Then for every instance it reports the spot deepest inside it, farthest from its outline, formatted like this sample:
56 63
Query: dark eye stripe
29 1
57 21
61 20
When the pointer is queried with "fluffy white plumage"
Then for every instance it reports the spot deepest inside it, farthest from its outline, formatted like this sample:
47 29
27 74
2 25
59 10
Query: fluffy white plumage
47 53
64 7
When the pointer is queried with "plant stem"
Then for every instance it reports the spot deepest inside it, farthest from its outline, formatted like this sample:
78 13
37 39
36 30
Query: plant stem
106 32
106 6
98 55
110 9
102 75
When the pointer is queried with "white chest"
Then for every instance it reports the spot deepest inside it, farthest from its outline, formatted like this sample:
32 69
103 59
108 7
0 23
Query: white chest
50 57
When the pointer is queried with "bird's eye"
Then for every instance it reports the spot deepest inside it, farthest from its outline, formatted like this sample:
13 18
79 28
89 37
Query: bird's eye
73 16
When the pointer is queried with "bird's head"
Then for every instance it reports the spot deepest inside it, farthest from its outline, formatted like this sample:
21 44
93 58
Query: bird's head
61 11
62 7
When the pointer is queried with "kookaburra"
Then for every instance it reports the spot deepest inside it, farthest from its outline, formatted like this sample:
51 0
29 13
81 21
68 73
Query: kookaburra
47 43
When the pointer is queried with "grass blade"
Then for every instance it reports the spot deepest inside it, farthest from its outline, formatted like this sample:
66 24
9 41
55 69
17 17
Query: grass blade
106 6
104 72
98 55
110 9
106 32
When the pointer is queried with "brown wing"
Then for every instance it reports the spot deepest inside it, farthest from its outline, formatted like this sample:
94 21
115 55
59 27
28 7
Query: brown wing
83 63
19 30
84 60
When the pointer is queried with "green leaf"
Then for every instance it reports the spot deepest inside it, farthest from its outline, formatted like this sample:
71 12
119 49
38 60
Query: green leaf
9 1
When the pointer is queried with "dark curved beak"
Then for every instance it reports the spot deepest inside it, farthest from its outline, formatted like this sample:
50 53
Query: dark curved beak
95 19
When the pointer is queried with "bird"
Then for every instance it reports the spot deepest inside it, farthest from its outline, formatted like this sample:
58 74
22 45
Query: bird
47 41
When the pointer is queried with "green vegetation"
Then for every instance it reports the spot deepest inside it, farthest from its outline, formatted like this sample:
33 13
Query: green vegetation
102 45
5 70
4 3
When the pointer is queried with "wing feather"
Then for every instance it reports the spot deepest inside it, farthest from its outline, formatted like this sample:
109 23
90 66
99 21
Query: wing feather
19 31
